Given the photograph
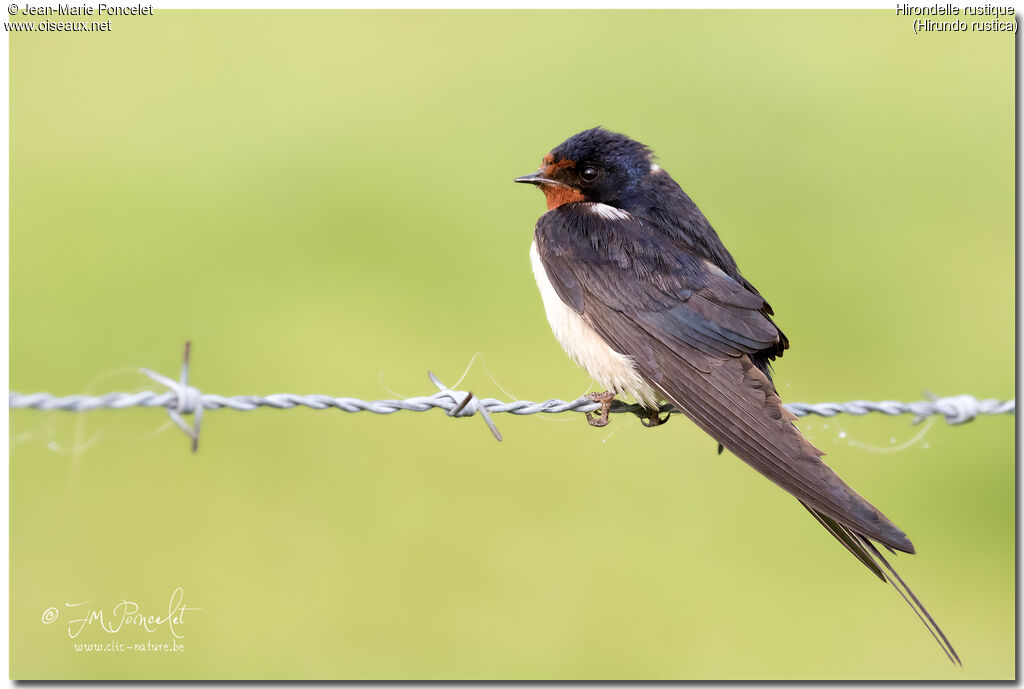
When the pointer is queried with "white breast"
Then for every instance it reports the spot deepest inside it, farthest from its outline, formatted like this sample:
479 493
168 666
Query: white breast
612 370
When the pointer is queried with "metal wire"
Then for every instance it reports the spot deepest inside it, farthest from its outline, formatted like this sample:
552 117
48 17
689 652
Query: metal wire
181 400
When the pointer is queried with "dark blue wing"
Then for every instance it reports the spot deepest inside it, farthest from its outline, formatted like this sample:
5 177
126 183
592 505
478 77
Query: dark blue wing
619 263
690 329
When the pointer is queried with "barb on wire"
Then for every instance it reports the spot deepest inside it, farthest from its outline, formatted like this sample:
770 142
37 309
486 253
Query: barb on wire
189 400
181 400
463 408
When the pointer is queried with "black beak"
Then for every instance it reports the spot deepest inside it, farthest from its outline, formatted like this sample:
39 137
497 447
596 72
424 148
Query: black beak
535 178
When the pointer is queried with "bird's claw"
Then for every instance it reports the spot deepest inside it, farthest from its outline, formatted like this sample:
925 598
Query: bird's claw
655 419
605 400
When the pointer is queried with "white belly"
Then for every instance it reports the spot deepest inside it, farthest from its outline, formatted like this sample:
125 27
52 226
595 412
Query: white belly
612 370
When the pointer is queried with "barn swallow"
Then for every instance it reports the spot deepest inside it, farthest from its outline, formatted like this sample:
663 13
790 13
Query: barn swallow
640 291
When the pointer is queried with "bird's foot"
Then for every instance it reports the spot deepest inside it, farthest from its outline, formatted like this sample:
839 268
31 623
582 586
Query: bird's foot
605 399
654 419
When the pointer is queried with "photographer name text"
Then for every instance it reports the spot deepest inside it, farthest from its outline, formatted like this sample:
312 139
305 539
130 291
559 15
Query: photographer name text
69 10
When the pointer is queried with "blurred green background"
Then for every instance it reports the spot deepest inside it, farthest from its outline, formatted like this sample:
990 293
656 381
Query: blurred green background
322 202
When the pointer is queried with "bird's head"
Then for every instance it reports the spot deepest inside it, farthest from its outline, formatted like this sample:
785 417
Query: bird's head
595 165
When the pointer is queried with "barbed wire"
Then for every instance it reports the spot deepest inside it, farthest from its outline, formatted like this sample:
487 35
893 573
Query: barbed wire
180 400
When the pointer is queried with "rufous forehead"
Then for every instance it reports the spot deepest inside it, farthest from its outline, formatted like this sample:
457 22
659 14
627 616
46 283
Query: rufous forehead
551 167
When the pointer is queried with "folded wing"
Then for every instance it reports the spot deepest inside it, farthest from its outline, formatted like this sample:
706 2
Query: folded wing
690 329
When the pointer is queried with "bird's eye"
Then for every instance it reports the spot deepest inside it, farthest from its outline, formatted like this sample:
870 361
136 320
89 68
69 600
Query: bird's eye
589 173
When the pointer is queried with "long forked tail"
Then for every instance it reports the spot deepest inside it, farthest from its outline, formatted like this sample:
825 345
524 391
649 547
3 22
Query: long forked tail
865 551
901 587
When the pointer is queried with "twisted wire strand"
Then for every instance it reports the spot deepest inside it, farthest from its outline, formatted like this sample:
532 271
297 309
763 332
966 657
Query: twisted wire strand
956 410
180 399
